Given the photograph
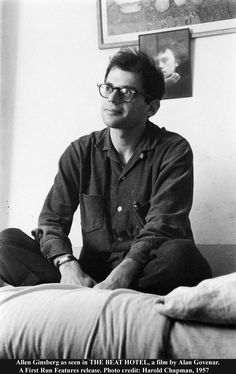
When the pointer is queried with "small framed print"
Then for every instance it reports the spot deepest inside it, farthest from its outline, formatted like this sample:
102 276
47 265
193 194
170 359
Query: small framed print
171 53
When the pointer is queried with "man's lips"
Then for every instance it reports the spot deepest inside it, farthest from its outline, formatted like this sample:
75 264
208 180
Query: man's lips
113 111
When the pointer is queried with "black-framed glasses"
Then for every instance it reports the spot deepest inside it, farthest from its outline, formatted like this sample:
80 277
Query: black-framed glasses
126 94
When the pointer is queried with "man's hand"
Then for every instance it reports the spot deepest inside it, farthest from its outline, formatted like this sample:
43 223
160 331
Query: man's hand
122 276
71 273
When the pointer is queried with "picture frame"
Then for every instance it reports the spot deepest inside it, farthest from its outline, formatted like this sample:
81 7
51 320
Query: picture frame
171 52
120 22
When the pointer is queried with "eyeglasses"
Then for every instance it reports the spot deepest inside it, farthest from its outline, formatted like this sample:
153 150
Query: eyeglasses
125 94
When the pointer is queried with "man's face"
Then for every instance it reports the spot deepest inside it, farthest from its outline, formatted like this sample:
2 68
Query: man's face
167 62
117 113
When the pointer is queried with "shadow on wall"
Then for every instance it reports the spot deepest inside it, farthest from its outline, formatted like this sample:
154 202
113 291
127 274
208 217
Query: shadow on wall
10 17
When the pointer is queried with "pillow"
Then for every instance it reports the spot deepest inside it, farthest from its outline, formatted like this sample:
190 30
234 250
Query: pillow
211 301
64 321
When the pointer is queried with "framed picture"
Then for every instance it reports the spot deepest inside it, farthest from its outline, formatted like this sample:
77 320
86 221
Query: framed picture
120 22
171 52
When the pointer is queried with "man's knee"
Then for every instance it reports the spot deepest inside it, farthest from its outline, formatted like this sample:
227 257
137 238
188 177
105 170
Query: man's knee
10 234
182 255
21 261
191 259
14 240
175 263
8 237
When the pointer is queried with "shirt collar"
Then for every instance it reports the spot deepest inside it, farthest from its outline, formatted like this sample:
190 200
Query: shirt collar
104 142
148 142
151 136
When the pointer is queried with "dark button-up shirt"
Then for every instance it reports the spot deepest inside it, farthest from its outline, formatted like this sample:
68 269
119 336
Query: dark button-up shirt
132 208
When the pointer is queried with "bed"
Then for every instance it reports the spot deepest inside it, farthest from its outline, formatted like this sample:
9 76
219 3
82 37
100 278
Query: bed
63 321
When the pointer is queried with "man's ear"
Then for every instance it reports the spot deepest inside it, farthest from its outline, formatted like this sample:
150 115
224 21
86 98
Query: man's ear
153 107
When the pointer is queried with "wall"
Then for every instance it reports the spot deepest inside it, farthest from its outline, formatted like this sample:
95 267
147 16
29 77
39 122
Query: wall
51 64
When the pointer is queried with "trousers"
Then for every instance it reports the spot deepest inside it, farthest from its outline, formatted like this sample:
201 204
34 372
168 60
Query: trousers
177 262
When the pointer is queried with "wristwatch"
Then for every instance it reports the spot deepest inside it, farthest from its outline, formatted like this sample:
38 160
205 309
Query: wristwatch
64 259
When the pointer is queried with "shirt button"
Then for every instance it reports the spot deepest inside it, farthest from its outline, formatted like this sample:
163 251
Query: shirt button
135 205
120 239
119 209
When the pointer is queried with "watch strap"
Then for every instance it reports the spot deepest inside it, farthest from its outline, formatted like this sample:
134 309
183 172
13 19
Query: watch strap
63 259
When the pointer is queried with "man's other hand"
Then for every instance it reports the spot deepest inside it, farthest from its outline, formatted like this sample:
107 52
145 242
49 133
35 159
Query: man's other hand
122 276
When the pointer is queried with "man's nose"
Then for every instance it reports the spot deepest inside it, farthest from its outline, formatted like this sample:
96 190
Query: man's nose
114 96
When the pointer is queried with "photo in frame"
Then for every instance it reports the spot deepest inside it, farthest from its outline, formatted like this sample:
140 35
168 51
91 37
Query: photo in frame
121 21
171 53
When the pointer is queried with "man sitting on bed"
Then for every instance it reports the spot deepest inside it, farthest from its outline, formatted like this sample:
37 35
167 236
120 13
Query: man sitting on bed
133 182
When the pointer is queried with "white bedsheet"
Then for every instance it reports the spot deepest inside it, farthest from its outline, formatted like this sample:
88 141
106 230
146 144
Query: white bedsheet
59 321
55 321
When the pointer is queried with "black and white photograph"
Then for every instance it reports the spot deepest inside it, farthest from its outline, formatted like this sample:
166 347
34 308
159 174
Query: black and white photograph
117 192
171 53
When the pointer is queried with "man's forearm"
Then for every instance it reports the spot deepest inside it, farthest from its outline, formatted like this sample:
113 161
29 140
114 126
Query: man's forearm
53 242
128 269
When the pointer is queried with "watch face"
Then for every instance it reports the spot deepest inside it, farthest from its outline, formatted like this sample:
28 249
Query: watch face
64 259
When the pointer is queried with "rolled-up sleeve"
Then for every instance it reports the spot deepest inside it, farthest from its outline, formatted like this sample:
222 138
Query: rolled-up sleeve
58 209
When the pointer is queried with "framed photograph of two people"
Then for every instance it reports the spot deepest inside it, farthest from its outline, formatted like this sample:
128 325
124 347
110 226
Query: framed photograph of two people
171 53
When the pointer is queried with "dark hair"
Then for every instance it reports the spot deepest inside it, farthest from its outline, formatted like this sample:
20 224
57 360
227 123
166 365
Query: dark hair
139 62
